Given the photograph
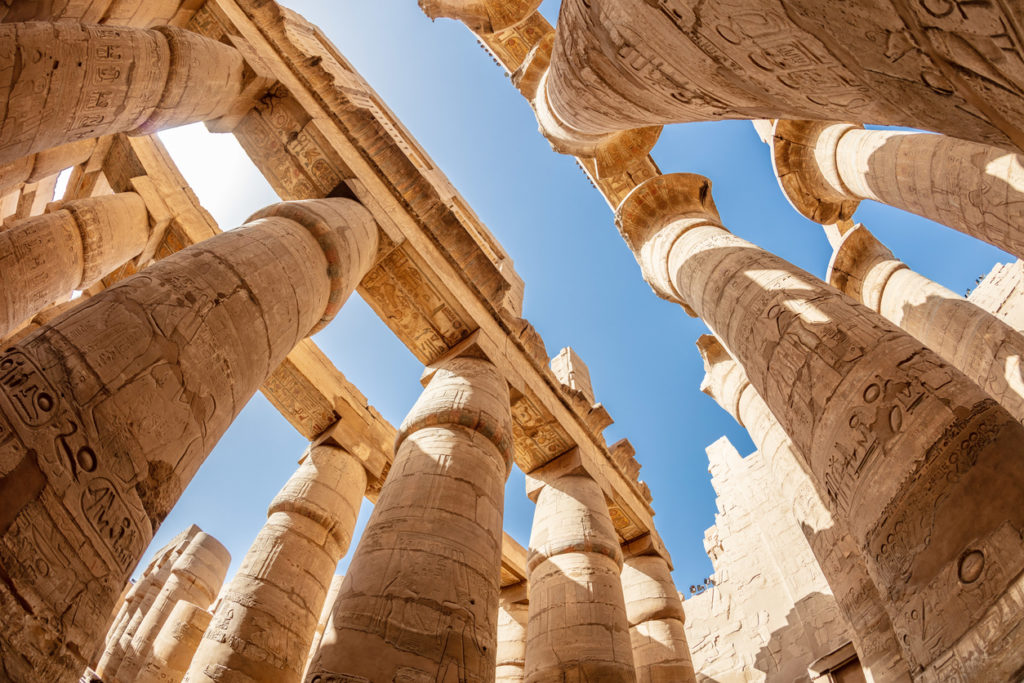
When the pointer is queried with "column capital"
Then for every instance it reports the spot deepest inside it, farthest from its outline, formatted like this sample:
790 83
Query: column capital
481 16
724 379
346 232
468 392
861 266
804 157
680 201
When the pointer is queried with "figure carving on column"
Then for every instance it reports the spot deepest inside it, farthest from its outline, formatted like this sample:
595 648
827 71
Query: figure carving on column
620 64
78 81
420 599
902 443
826 169
107 412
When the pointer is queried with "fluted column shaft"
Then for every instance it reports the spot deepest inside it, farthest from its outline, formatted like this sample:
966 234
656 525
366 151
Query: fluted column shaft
45 258
656 619
196 577
621 64
267 618
902 444
827 169
67 81
175 645
107 412
420 599
969 338
577 628
512 624
837 554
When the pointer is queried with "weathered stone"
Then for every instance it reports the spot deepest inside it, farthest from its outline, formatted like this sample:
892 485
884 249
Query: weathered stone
108 411
512 624
175 645
267 618
420 599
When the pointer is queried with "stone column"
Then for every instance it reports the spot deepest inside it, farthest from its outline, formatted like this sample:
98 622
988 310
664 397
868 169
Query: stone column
69 81
827 169
175 645
325 615
656 619
621 64
512 623
196 577
838 556
107 412
45 258
577 627
420 599
969 338
36 167
264 625
920 464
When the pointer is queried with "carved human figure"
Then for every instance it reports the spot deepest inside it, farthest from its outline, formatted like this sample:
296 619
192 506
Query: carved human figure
948 67
45 258
68 81
196 576
656 619
966 336
826 169
577 628
837 554
107 412
266 621
913 457
420 599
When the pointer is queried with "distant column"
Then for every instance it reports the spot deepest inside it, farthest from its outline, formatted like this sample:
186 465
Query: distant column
577 627
420 599
656 619
69 81
175 645
512 622
837 554
35 167
107 412
45 258
966 336
325 615
916 460
827 169
196 577
267 618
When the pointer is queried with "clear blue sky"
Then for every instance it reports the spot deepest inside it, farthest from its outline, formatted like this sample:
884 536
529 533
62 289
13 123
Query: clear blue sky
583 288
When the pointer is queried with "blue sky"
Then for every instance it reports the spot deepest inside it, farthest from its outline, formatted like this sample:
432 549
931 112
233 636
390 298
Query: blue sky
583 288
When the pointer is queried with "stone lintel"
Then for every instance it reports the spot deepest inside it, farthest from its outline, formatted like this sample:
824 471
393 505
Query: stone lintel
568 463
257 81
481 16
517 593
646 545
349 437
470 347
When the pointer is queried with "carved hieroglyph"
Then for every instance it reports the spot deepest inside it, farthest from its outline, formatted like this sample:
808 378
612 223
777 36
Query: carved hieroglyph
196 577
45 258
577 627
836 554
952 67
66 81
920 464
420 599
266 620
107 412
656 619
977 343
826 170
175 645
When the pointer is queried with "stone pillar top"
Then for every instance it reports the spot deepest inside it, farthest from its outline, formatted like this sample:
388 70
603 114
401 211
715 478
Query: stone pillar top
680 198
346 232
572 372
805 164
465 391
481 16
861 266
724 379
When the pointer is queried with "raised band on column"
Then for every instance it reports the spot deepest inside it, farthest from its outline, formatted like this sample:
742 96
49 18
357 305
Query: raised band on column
420 599
109 410
902 443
